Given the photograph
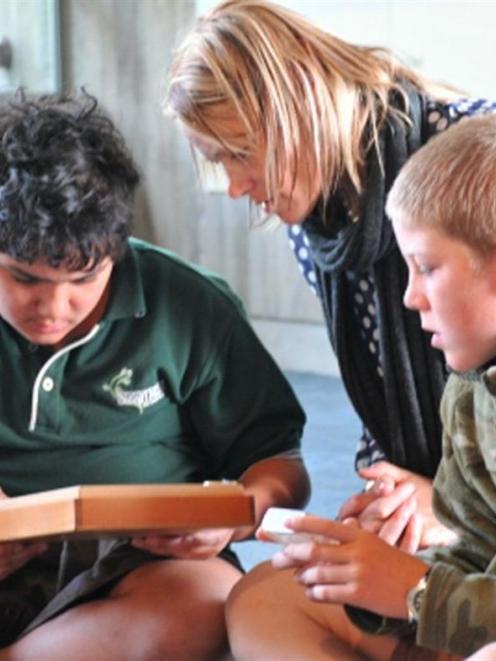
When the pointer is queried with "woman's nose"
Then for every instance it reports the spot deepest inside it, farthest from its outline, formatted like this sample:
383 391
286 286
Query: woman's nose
237 189
240 183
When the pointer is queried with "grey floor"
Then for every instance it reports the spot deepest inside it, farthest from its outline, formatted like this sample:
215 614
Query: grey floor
329 444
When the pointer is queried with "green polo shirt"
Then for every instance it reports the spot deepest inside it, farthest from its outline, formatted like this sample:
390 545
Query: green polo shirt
171 386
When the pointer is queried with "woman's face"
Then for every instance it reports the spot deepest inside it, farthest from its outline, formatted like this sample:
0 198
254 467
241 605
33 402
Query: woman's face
245 170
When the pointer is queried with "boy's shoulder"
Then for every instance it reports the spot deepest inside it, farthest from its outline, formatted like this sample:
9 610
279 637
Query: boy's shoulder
469 400
167 269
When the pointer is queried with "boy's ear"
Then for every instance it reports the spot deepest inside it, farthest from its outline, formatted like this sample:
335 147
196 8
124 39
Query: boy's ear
489 268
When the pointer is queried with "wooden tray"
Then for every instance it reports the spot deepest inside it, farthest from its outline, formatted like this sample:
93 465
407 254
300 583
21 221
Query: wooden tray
124 510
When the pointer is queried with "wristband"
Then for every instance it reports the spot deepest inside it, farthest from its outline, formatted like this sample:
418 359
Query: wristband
415 597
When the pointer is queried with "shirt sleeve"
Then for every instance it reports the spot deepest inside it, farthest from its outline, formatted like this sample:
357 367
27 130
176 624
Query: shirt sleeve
457 612
456 615
243 409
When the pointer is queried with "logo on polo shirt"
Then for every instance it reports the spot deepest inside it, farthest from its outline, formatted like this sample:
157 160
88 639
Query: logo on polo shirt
141 399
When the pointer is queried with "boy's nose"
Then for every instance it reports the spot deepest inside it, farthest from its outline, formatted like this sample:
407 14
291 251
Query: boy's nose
53 301
409 297
413 299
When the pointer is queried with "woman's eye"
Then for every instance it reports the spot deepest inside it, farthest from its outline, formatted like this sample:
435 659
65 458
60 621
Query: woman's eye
234 158
239 156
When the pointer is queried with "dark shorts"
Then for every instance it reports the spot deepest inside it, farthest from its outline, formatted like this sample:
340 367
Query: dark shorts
67 575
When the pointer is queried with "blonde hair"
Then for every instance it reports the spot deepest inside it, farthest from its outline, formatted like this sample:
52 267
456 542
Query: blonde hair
308 97
450 185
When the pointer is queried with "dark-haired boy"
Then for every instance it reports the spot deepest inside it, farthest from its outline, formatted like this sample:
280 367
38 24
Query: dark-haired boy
120 363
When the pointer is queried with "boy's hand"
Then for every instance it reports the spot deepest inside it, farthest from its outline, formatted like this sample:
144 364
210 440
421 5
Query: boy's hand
197 545
14 555
397 508
355 567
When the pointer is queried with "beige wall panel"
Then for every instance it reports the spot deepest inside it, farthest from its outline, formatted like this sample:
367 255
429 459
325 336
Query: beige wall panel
119 50
257 261
30 27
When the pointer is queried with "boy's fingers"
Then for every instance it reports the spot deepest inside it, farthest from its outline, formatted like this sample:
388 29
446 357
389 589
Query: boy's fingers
314 525
374 489
385 506
410 541
381 486
356 504
380 469
395 526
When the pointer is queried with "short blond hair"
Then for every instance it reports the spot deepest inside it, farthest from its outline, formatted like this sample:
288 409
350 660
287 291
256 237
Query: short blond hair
450 184
312 99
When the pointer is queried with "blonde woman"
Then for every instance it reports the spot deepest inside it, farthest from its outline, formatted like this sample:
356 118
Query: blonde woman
314 130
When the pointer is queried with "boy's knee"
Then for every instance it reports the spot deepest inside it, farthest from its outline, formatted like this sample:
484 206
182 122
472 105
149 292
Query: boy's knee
254 604
183 615
253 592
198 635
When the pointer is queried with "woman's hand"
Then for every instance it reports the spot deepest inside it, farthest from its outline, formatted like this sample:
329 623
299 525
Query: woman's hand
398 508
353 567
197 545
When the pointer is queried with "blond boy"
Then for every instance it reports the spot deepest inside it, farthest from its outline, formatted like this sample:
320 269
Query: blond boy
443 209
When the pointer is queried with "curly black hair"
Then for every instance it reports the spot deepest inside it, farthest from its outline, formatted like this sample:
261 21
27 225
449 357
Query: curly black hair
67 182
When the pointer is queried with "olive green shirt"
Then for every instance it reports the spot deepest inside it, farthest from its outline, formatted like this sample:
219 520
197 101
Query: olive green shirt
458 609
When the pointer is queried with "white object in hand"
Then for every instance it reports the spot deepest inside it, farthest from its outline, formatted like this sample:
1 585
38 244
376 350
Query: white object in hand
275 530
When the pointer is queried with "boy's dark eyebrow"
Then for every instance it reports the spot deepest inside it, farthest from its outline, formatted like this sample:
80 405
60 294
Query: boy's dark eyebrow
82 275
